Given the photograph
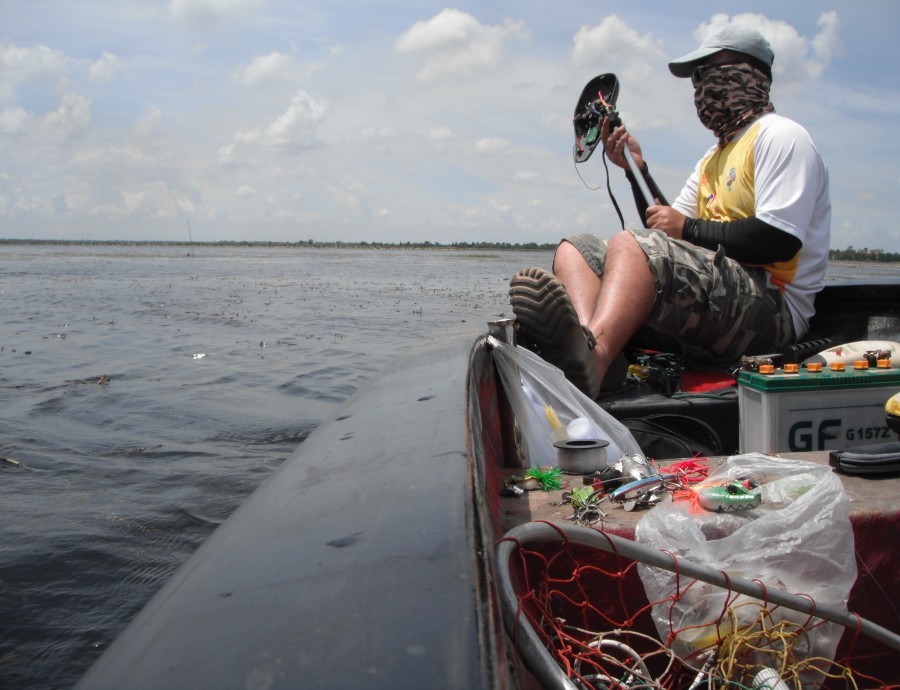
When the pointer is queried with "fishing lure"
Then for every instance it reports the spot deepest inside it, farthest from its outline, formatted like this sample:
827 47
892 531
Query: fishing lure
549 478
732 497
644 492
585 502
637 489
581 496
543 478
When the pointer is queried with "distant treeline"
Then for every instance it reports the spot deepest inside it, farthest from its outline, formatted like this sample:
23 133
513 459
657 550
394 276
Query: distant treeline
864 254
530 246
848 254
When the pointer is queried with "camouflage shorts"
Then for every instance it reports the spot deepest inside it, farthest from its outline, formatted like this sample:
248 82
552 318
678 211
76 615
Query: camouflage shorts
716 309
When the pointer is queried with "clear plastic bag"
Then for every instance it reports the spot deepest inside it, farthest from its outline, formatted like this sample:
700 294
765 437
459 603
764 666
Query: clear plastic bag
546 404
799 540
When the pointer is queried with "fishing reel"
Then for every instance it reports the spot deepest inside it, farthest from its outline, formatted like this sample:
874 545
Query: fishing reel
598 100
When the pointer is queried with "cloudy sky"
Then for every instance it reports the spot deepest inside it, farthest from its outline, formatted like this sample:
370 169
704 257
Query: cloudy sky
403 120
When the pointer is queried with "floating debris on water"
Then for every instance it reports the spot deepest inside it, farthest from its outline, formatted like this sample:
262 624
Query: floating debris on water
141 451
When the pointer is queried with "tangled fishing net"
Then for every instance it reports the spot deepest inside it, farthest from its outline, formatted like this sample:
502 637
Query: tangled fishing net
575 607
752 594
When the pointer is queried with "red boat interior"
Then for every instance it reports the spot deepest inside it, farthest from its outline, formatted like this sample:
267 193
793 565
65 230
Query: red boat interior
610 589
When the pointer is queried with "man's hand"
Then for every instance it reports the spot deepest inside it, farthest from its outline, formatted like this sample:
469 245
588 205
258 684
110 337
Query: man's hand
615 144
667 219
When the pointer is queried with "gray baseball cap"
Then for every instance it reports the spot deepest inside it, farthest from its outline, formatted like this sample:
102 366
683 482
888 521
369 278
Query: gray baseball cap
736 37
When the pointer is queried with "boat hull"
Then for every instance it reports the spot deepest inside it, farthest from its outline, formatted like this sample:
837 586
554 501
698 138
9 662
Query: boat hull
354 565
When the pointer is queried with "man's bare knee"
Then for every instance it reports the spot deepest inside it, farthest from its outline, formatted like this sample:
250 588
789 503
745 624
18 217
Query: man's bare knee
622 241
566 255
624 246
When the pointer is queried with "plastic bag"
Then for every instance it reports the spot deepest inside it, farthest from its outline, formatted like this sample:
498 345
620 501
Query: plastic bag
799 540
540 395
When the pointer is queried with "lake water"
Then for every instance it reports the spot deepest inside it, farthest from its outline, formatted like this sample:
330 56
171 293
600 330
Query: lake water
146 391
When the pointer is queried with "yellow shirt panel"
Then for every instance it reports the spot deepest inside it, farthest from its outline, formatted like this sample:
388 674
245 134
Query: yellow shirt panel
726 192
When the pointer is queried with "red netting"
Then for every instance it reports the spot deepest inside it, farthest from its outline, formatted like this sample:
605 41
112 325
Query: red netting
580 617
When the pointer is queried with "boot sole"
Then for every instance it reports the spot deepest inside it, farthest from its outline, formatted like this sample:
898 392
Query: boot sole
549 326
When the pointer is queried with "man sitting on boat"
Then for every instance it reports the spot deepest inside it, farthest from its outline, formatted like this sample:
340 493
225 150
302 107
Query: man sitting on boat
730 268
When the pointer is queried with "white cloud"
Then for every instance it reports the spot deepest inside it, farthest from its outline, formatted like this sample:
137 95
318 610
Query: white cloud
155 200
106 69
352 193
295 127
14 120
265 68
613 39
490 145
351 184
149 123
100 158
24 202
455 43
796 57
826 44
71 118
373 133
21 64
526 176
439 133
202 13
226 154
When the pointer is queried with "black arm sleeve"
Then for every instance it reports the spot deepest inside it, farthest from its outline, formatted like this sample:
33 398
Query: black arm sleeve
749 240
639 201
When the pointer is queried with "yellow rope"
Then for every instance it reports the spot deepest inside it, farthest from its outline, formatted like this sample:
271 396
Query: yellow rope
770 643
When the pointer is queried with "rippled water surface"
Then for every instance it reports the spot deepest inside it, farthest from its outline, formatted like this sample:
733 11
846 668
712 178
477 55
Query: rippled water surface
146 391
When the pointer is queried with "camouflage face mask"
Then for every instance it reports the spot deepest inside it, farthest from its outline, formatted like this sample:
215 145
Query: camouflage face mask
728 97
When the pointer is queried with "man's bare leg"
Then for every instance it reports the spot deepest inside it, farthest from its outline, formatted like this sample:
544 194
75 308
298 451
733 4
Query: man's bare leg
579 279
616 307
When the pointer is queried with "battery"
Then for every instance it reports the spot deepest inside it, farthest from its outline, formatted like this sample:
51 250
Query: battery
807 411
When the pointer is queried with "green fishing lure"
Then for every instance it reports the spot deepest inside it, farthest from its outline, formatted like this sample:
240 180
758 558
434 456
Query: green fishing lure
551 478
732 497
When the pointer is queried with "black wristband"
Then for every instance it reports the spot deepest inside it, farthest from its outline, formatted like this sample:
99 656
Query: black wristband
689 230
644 171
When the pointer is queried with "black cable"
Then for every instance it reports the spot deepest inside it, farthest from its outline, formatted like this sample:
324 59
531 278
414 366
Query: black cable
609 190
594 189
